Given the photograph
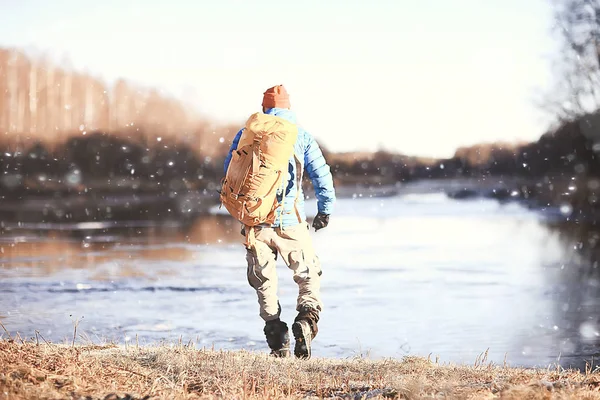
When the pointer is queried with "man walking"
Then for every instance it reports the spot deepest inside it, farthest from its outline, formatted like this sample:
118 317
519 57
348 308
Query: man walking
284 231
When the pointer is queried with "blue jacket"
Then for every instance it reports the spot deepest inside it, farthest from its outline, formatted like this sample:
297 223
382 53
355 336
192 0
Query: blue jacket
306 149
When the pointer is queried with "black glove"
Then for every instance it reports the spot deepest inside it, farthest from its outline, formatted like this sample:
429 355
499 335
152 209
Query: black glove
320 221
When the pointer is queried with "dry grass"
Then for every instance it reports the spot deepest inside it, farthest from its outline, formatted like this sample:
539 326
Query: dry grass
48 371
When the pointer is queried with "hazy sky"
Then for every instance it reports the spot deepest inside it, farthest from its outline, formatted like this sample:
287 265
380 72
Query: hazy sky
420 77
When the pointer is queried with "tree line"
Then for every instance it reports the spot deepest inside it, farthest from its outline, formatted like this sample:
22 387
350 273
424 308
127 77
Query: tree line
42 101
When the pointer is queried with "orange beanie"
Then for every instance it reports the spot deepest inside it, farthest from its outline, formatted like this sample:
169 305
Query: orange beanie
276 97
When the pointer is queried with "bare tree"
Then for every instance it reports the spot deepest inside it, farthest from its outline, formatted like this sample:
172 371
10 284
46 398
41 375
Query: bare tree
577 91
12 86
4 95
23 66
33 97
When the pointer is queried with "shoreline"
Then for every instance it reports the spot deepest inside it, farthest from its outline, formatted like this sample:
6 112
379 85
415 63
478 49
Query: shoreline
179 371
91 207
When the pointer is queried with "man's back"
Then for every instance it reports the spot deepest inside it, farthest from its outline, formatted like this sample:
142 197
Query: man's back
308 157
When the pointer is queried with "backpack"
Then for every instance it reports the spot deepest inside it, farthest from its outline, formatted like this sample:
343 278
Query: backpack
257 170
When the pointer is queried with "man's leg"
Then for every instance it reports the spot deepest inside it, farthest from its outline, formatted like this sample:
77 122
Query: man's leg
296 248
262 276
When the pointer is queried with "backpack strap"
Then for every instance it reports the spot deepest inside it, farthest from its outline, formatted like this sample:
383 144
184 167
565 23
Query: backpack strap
250 242
282 204
299 174
256 152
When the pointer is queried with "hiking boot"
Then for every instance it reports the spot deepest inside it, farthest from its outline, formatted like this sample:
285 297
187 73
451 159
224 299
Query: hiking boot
311 316
278 338
305 329
303 335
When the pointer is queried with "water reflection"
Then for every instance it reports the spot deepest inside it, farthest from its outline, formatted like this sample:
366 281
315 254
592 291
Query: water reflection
573 283
50 250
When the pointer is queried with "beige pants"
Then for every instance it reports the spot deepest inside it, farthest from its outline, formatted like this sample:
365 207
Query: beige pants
295 246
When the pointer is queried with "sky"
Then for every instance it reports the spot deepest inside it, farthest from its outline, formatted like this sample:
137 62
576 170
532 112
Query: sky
418 77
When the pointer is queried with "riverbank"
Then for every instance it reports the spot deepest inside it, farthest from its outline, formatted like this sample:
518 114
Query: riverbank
48 371
185 204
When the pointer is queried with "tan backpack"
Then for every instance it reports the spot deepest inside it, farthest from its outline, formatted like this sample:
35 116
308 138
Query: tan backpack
258 168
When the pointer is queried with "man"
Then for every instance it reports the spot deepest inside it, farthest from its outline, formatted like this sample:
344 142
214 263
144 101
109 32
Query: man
289 237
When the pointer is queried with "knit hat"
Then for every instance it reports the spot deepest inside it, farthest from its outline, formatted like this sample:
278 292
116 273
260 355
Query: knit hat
276 97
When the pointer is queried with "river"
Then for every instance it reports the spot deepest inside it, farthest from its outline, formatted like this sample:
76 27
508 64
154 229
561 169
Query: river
418 274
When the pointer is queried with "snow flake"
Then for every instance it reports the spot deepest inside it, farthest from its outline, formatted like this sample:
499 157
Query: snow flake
566 209
589 330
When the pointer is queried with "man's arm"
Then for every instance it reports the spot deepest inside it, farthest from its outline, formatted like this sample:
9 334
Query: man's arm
234 145
320 175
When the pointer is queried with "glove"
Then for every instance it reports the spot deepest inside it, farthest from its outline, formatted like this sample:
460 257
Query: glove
321 221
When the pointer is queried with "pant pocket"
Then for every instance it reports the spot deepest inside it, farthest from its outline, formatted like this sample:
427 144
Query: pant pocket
298 264
256 278
304 264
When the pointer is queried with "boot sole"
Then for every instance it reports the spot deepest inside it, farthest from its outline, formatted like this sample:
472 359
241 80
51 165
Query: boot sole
303 336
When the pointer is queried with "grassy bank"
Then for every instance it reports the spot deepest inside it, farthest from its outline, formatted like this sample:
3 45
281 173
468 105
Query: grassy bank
48 371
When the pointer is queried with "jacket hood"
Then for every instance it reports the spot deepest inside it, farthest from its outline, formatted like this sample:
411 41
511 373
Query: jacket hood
284 113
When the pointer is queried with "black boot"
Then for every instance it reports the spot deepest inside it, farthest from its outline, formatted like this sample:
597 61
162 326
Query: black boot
278 338
305 329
